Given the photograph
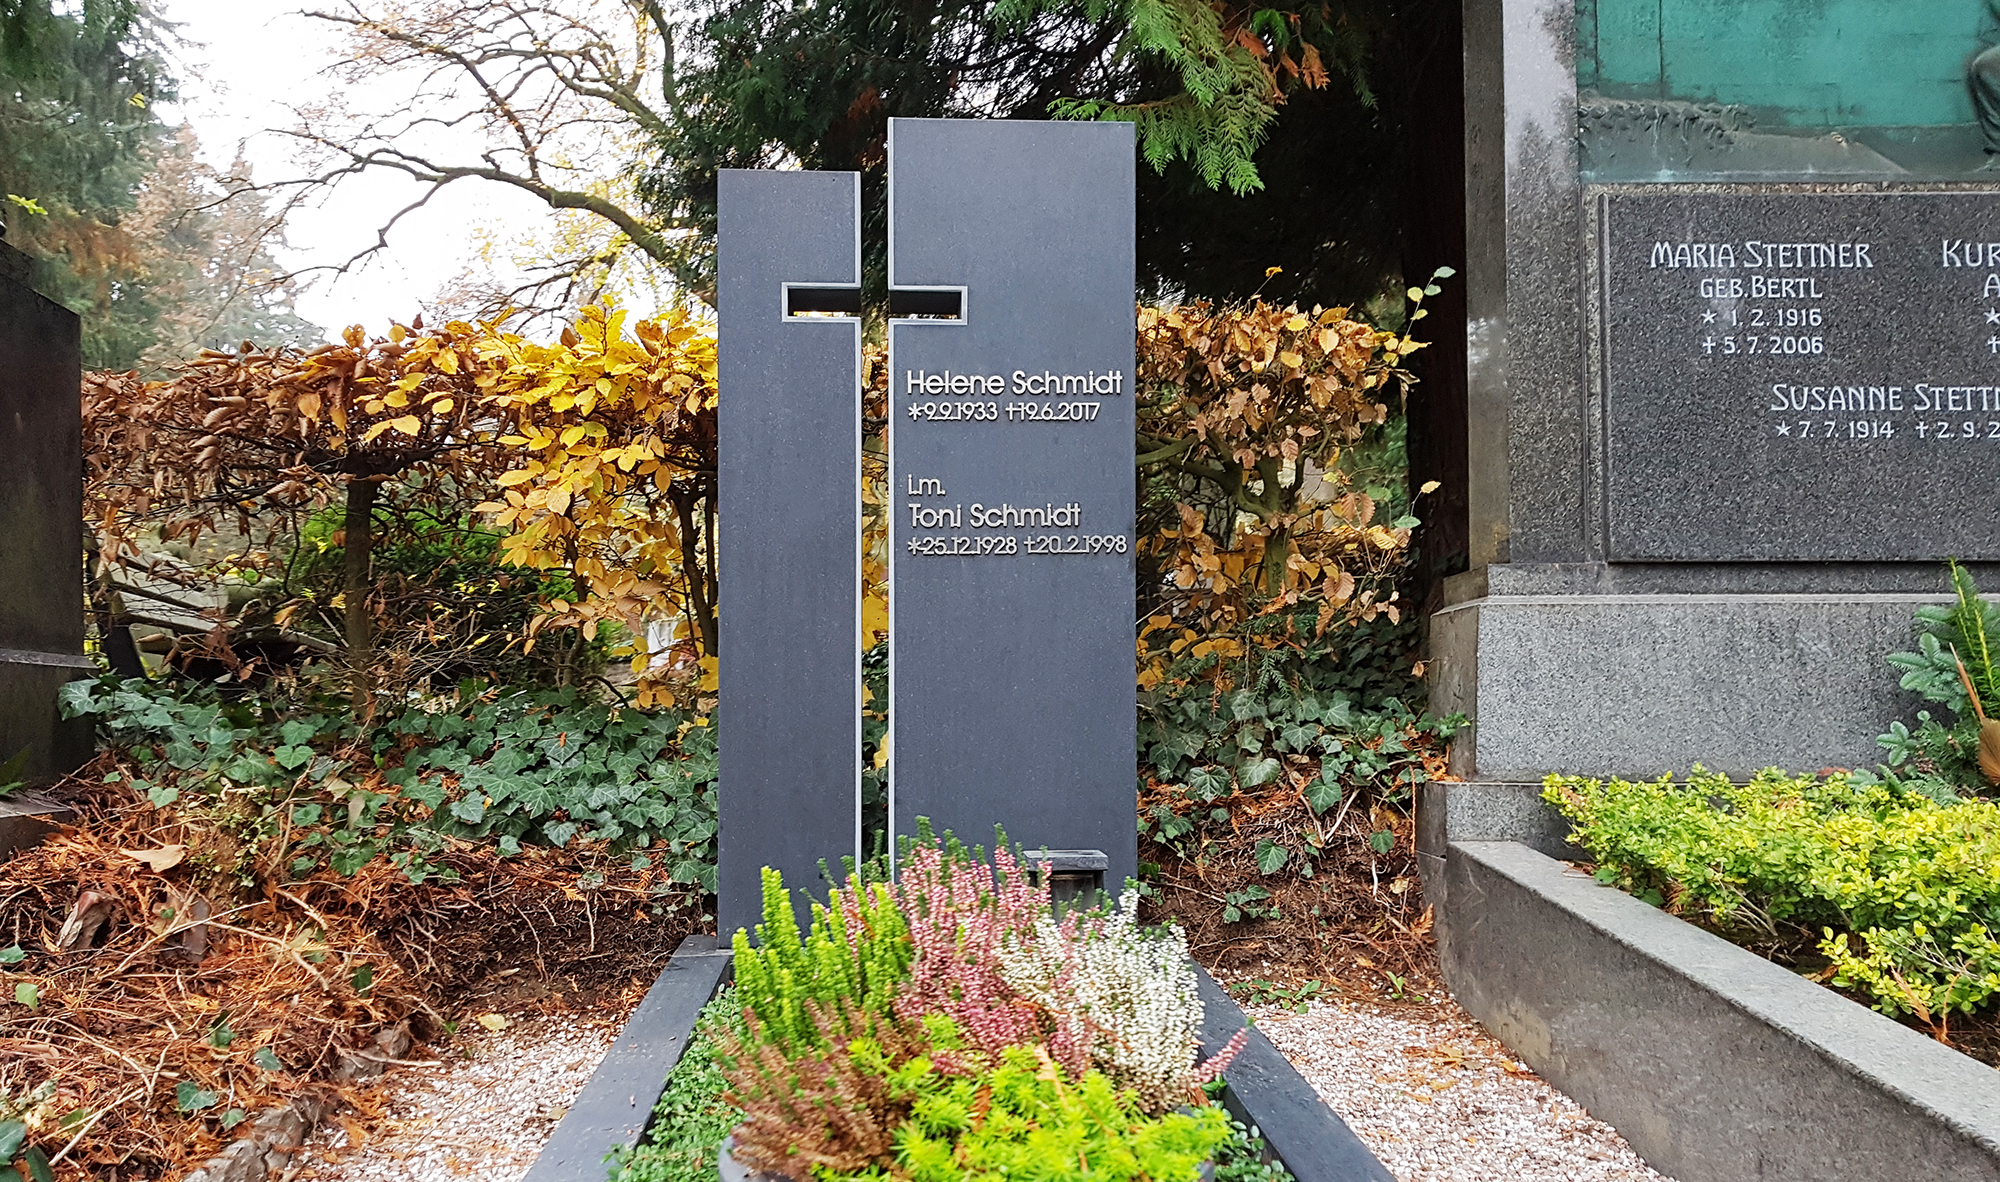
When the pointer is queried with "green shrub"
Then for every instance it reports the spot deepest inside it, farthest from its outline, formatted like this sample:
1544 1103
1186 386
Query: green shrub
1036 1124
1895 890
836 960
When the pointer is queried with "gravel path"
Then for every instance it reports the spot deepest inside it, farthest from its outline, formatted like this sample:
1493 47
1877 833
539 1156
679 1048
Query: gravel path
482 1114
1436 1097
1440 1100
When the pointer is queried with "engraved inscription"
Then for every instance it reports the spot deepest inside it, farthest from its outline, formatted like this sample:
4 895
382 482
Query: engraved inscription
1800 376
1019 396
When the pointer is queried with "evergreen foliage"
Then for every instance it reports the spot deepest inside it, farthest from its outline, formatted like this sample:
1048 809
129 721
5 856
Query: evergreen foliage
507 767
159 255
814 84
1957 666
1892 891
691 1118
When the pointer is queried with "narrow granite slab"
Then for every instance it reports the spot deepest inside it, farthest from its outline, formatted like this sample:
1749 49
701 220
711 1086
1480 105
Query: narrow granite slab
616 1105
1714 1063
1265 1090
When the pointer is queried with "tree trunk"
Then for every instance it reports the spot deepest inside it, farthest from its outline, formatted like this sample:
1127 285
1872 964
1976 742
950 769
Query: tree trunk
357 546
700 584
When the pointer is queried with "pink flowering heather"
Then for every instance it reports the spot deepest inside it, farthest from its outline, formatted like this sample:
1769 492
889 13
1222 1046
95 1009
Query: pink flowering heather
960 914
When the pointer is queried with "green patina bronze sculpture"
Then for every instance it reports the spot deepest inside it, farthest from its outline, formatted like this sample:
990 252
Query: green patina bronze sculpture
1984 79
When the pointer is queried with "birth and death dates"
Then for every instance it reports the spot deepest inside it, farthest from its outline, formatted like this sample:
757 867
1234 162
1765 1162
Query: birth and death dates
967 546
974 411
1938 430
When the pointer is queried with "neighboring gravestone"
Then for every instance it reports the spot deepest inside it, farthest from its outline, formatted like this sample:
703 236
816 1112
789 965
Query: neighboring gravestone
1801 377
789 509
1723 435
1011 483
41 523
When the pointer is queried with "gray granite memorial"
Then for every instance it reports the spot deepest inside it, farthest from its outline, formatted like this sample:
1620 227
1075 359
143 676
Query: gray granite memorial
1011 480
1010 468
41 523
789 555
1723 437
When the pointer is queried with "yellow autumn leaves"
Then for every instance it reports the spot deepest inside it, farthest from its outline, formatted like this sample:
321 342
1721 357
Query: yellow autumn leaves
595 455
1244 413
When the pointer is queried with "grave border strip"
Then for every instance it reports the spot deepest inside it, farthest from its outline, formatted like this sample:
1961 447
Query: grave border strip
615 1107
1714 1063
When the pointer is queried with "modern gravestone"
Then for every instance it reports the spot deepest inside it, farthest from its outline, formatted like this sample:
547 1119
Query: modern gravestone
1011 486
1011 482
789 507
41 522
1727 420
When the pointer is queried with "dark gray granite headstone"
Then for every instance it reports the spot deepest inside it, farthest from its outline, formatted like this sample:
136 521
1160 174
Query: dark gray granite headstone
1802 376
1010 473
41 524
789 555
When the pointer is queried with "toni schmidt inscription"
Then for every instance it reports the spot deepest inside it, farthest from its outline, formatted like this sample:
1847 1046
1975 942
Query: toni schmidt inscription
1796 377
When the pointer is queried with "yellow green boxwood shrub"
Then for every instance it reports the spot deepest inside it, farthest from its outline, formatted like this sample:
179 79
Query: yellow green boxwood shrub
1897 892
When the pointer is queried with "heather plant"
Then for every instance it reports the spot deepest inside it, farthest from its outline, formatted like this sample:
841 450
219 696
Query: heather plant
961 913
856 951
949 1026
834 1110
1125 992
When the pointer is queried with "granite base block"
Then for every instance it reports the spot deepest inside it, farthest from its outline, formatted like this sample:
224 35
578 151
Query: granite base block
1484 810
1641 685
1714 1063
615 1107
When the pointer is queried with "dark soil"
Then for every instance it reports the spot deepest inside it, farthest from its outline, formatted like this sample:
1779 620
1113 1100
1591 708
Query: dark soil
1358 924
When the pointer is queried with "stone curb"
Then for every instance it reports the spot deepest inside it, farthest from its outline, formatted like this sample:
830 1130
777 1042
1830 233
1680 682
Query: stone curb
615 1107
272 1138
1714 1063
1267 1092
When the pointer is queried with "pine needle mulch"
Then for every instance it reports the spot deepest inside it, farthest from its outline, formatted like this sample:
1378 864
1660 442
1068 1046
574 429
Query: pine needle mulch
170 988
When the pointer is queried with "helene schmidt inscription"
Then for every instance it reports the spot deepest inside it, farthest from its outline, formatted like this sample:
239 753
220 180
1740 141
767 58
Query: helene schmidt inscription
1801 377
1010 465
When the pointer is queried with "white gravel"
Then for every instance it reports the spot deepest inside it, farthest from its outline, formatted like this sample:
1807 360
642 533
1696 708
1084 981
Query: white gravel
481 1114
1430 1092
1440 1100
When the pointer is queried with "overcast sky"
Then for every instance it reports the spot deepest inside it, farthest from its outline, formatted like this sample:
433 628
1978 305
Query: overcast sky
245 62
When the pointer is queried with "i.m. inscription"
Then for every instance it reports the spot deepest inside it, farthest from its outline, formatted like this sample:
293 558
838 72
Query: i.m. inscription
1801 376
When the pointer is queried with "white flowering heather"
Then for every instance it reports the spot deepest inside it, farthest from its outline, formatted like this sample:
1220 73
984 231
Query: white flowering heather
1129 993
